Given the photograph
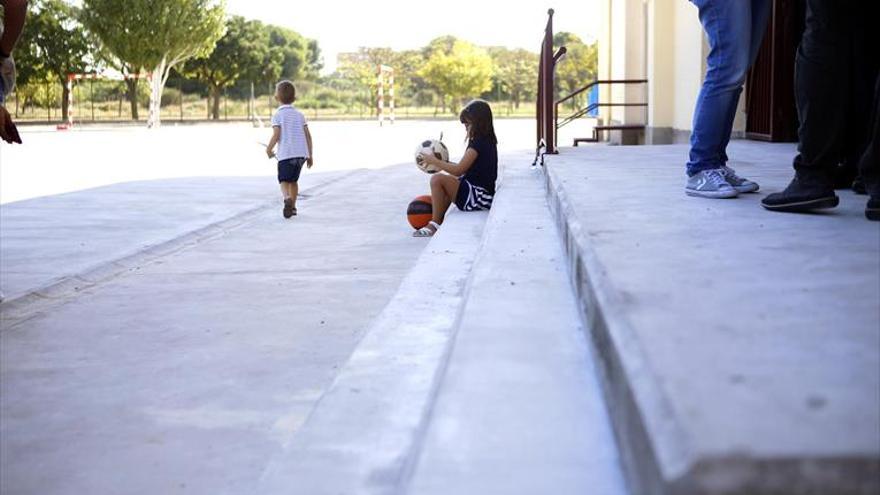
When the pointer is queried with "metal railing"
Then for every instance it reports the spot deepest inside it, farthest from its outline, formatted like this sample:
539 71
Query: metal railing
593 106
545 113
547 110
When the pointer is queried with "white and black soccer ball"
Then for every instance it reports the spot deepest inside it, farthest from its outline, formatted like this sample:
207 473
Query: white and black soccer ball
434 147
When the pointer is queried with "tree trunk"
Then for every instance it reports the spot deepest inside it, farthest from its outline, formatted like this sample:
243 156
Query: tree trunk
131 84
157 84
215 102
65 102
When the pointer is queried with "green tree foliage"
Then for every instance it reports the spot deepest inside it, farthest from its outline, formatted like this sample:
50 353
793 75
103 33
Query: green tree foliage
294 49
58 41
410 87
578 68
243 52
155 35
466 71
362 67
314 59
515 73
442 44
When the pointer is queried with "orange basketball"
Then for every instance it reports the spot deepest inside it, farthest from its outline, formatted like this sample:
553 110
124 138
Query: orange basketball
419 212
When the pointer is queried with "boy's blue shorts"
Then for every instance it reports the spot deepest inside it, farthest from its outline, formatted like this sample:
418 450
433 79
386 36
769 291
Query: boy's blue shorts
289 169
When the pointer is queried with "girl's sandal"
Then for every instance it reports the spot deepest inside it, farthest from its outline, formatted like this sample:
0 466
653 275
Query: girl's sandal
427 230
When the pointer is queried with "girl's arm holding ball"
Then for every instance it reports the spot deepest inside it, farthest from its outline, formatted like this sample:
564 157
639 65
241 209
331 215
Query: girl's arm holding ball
456 169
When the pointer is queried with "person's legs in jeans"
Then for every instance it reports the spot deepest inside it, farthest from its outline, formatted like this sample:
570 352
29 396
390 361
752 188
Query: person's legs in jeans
760 14
821 80
728 26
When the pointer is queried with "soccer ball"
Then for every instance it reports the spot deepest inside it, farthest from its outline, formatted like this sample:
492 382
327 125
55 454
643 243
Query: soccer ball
437 148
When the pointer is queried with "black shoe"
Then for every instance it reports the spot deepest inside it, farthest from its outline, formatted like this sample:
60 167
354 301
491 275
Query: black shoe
858 186
872 209
843 176
802 195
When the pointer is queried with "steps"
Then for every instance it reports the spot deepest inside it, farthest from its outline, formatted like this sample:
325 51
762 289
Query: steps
360 434
476 378
519 409
597 130
740 350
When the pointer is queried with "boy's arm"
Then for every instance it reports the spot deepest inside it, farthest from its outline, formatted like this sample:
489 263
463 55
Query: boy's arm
308 145
276 135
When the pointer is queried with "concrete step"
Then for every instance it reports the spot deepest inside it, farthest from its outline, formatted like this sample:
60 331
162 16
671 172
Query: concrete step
359 436
740 349
519 409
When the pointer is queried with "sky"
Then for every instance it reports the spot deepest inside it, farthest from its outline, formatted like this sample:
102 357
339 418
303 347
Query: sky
343 26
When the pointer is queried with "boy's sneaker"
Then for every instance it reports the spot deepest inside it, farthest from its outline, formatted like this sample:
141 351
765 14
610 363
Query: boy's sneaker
709 184
288 208
741 184
872 209
802 195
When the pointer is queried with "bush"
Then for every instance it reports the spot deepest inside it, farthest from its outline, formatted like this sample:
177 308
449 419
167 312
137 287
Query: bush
312 103
170 96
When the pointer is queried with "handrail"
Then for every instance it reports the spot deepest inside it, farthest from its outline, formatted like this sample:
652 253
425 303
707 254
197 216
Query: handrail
545 114
595 105
595 83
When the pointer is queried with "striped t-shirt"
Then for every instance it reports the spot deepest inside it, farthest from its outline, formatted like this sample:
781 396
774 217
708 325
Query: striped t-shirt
292 143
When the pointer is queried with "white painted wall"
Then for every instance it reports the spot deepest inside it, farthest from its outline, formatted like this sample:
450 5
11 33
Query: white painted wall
663 41
661 65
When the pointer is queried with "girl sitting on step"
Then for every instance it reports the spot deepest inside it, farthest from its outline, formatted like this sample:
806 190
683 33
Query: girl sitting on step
470 183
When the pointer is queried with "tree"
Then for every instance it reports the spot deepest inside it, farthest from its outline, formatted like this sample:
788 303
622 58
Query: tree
465 71
580 65
59 43
243 52
515 72
315 62
407 82
294 49
362 68
155 35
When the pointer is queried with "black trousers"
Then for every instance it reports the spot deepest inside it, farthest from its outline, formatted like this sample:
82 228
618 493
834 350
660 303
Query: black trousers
869 165
835 72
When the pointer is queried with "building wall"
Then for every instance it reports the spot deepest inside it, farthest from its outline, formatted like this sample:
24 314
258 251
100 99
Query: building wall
663 41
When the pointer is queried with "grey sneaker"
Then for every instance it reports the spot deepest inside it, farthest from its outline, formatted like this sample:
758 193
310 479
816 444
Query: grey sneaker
741 184
709 184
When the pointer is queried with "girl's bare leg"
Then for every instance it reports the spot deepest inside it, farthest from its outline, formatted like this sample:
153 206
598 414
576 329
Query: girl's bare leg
443 190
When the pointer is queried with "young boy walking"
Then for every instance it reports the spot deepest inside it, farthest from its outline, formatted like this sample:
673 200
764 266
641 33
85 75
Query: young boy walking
291 133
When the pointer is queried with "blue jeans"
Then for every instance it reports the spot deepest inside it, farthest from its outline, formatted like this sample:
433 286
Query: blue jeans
735 29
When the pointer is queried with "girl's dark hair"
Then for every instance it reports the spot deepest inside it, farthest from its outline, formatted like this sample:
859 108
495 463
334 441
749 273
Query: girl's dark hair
479 115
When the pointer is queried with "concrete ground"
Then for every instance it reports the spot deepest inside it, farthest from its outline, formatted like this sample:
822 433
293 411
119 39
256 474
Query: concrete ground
749 341
169 332
189 372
